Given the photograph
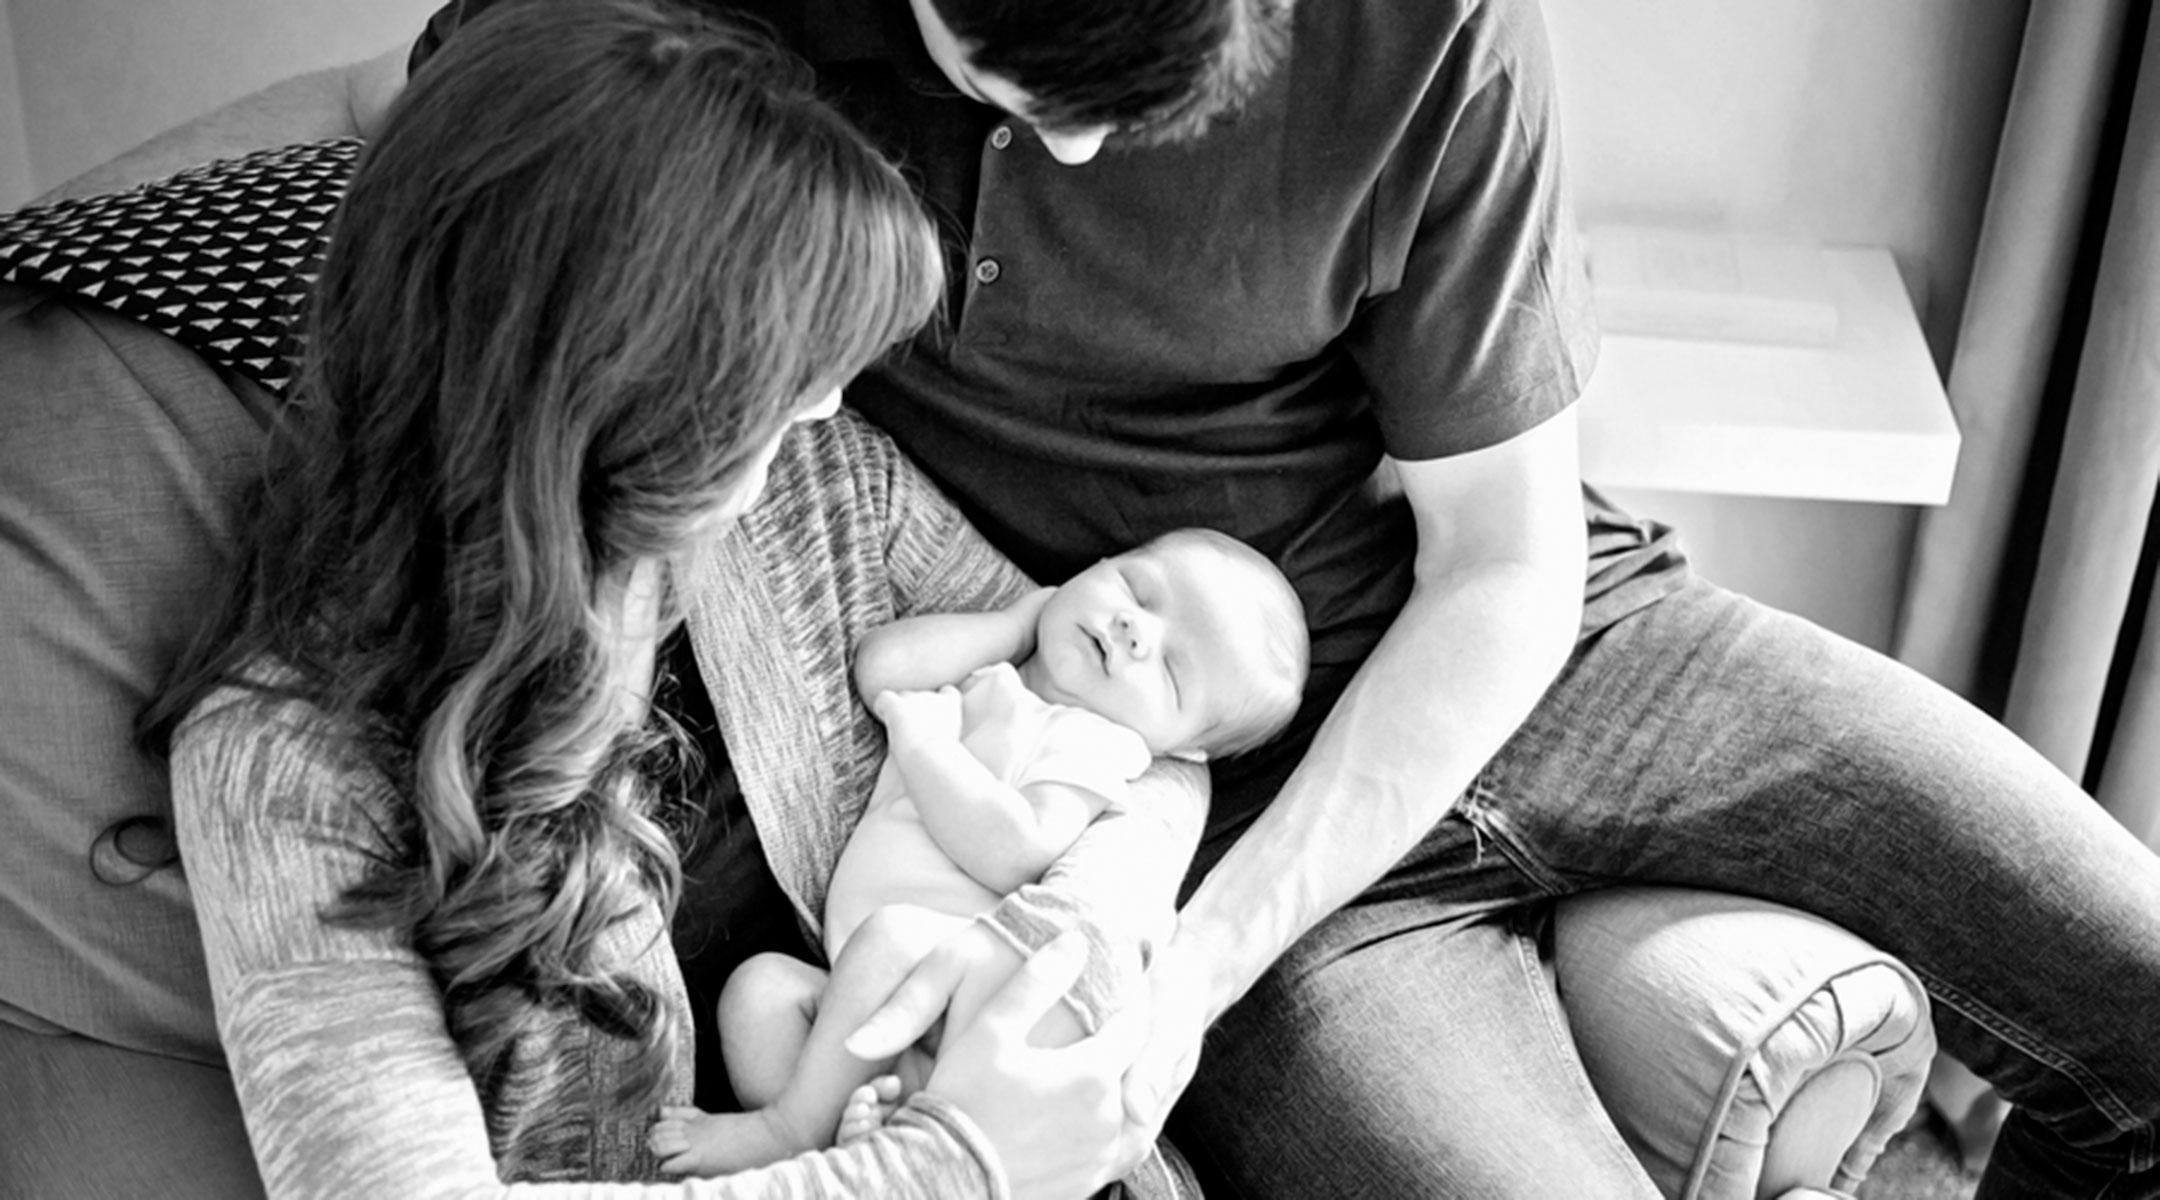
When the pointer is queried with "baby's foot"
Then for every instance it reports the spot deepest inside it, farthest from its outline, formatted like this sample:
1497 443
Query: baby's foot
868 1108
688 1141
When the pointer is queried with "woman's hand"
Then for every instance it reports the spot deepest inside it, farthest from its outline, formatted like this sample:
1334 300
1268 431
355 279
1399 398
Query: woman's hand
1056 1117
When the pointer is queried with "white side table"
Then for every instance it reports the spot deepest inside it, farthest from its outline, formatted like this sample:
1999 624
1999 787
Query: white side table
1738 444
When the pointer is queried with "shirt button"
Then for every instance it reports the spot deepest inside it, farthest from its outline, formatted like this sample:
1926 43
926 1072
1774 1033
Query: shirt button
987 271
1001 137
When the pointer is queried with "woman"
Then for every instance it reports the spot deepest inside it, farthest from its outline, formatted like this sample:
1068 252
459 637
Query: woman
600 259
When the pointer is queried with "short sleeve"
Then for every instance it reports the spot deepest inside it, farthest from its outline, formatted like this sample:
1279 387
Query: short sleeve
1084 750
1482 326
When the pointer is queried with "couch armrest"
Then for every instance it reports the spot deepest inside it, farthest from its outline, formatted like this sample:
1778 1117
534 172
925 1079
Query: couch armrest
1742 1047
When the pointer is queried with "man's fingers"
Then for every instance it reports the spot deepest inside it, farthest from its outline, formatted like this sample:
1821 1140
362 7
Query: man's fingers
911 1010
1155 1081
1144 1089
1163 1066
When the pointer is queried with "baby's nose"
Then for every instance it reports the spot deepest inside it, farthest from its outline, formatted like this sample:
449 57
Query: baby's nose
1136 631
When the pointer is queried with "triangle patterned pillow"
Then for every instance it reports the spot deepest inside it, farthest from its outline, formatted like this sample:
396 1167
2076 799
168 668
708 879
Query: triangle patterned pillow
219 257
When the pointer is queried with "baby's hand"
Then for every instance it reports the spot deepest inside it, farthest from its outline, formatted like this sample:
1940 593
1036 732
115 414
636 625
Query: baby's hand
1025 613
920 716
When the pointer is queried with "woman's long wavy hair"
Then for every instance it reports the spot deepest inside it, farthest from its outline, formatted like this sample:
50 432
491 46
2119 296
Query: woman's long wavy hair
600 256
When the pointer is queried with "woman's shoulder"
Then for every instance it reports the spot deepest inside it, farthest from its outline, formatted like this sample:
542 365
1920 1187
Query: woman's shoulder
264 709
843 466
260 742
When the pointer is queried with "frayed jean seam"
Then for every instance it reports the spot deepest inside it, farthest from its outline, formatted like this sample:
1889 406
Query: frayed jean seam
1488 823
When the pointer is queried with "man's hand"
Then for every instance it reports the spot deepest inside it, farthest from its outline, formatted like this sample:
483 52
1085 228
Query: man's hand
1179 1013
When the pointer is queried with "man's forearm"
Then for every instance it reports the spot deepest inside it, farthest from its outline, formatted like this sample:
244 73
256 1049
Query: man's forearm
1456 673
343 101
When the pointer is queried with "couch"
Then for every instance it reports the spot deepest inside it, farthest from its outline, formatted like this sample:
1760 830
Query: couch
1742 1048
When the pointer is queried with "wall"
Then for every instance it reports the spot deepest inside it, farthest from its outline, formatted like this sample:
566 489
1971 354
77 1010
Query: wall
99 76
15 186
1844 121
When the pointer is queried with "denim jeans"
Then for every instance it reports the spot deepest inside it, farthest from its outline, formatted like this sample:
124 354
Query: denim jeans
1413 1045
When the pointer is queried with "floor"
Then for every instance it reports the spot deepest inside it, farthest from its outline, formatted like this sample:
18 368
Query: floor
1921 1163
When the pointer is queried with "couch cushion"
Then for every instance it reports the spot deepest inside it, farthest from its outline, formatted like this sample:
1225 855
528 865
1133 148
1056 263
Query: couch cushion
86 1121
219 257
121 453
120 456
1740 1044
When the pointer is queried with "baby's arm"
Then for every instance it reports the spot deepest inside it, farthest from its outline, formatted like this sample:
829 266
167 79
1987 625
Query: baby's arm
931 650
1002 836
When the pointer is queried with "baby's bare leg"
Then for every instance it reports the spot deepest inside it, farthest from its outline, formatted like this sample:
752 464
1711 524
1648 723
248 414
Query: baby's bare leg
805 1113
765 1014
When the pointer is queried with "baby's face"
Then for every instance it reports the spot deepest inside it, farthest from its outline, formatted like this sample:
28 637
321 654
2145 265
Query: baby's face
1159 640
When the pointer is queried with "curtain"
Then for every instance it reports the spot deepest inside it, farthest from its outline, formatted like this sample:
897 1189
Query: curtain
2031 591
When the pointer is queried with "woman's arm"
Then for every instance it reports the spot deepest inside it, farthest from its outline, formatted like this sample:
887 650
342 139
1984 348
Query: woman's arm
346 1073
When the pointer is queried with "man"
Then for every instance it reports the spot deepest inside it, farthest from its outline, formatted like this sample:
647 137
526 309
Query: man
1324 296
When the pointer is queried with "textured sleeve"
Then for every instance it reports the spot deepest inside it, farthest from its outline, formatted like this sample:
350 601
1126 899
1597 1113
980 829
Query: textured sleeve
1481 326
936 559
347 1075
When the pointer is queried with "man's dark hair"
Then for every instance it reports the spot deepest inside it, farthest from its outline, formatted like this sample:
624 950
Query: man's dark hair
1095 62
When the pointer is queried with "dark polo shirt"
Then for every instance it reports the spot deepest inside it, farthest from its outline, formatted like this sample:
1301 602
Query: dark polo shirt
1373 256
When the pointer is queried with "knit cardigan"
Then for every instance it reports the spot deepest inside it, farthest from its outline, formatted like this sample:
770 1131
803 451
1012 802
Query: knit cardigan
345 1070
